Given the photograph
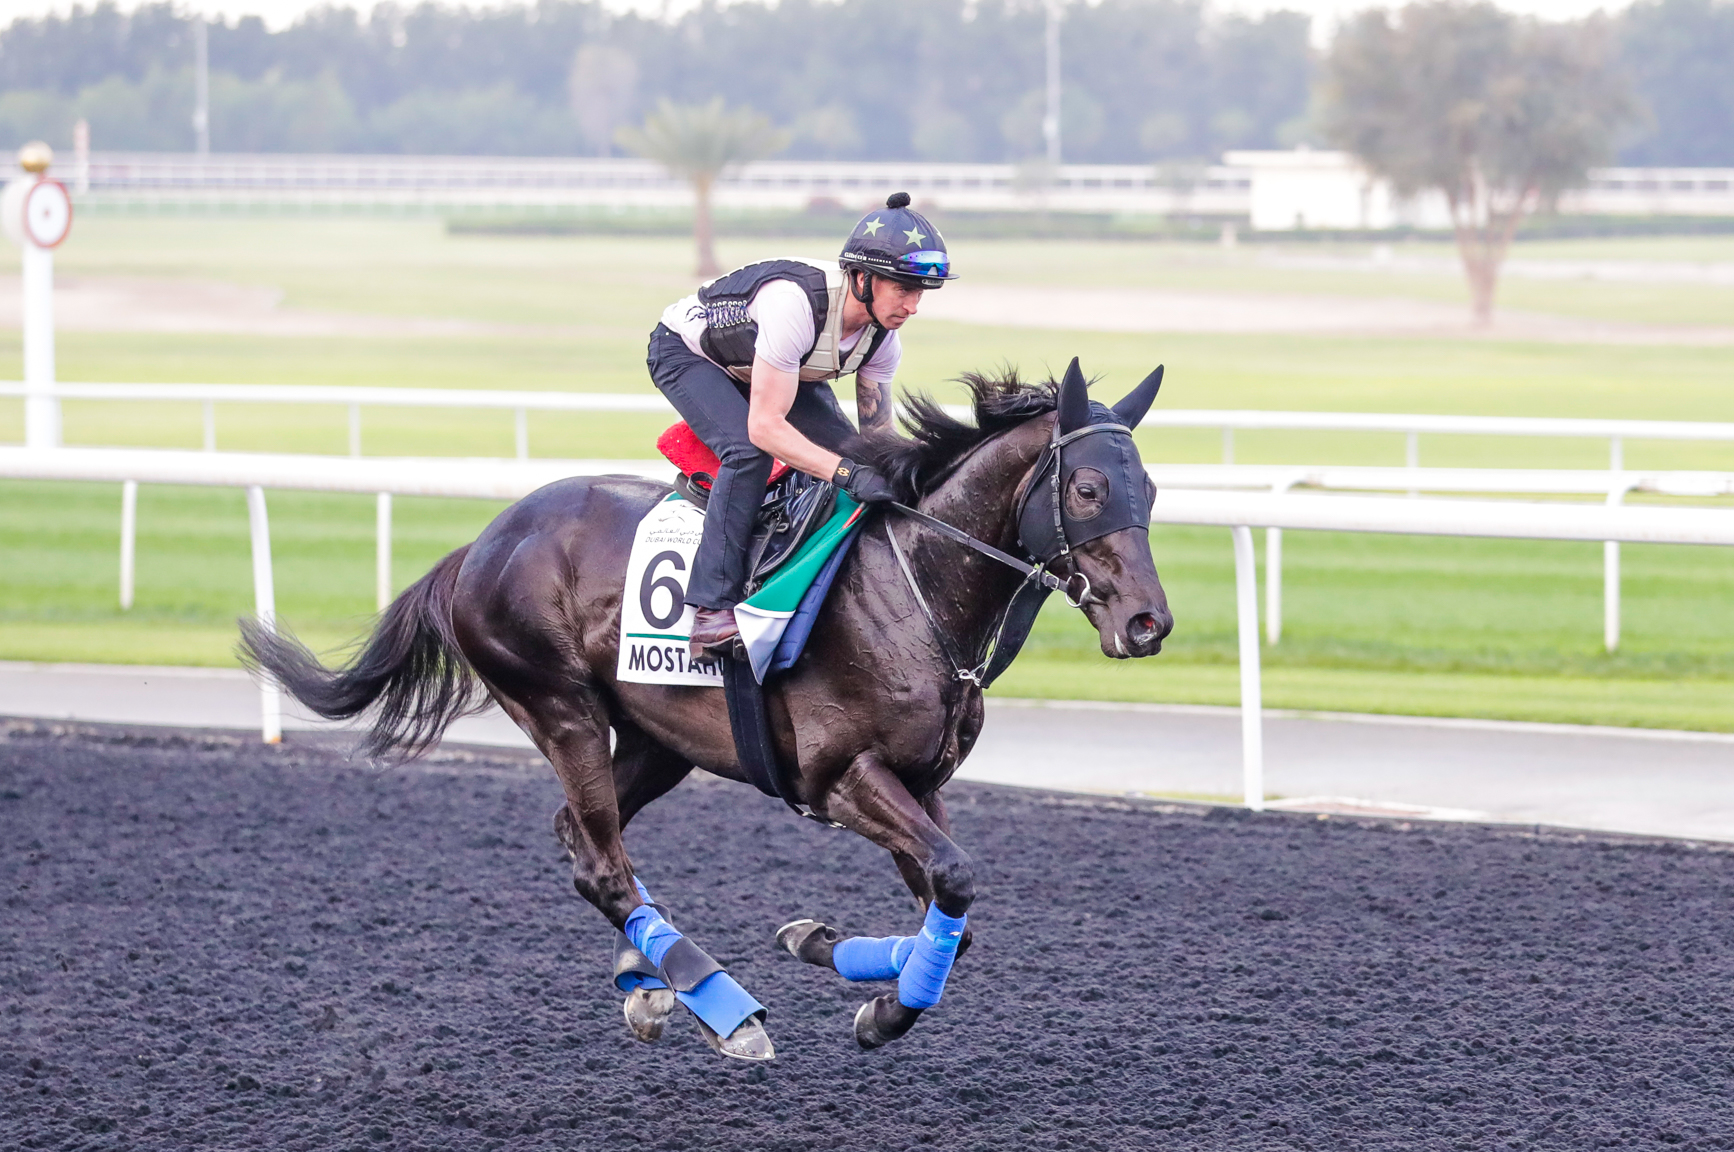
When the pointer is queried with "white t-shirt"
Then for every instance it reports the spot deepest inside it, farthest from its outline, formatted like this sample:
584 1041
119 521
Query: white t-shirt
785 319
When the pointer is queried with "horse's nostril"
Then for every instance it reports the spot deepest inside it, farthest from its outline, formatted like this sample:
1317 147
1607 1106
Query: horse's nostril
1143 628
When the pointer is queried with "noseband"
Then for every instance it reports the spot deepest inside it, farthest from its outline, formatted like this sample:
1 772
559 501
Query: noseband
1045 521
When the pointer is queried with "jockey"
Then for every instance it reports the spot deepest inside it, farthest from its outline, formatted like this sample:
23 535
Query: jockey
747 361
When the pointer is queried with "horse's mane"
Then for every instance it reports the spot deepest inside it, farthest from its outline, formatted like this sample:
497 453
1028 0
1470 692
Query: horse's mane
934 441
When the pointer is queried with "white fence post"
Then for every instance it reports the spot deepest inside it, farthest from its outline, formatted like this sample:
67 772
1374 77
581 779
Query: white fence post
382 551
1273 585
1611 580
1251 688
265 606
1273 574
41 405
1412 456
128 539
1228 445
521 432
355 429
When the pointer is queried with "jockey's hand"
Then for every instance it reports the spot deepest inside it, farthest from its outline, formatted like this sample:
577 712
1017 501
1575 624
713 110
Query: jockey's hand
864 482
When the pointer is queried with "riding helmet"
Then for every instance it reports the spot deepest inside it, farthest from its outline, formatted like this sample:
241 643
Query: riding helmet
900 243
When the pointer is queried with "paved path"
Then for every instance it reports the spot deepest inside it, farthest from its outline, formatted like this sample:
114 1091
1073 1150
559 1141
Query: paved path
1663 783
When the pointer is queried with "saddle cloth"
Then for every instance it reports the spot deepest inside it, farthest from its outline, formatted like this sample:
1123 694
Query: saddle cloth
804 531
775 621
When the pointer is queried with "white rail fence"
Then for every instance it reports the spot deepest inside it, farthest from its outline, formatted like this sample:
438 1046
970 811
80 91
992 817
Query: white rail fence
1239 511
1411 425
214 182
145 180
1613 485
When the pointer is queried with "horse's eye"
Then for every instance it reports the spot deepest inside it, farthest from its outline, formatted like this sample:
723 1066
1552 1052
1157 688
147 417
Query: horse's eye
1086 494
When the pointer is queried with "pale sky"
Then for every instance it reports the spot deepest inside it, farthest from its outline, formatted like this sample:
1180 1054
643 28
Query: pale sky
279 13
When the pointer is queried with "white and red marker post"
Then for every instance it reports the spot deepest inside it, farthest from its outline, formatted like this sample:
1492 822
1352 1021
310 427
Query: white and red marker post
36 213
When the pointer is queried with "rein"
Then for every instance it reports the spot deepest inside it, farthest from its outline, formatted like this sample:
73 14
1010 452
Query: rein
1036 572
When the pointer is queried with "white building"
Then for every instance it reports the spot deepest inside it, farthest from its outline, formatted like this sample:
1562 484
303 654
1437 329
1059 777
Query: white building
1307 189
1304 189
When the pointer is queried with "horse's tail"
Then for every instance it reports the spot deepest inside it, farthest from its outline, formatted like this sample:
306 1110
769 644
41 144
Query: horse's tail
410 671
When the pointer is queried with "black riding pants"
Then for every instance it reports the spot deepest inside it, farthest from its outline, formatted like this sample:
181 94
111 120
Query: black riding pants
714 405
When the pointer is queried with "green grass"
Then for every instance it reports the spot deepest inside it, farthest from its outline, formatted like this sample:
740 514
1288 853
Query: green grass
1436 626
1431 626
59 579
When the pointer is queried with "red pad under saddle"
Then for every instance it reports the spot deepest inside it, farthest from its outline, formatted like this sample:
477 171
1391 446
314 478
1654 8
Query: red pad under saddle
682 447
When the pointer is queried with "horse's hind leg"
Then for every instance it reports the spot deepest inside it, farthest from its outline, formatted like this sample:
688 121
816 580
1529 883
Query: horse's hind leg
643 771
872 801
571 730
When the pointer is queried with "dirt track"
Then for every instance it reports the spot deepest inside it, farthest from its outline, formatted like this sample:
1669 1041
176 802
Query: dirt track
210 943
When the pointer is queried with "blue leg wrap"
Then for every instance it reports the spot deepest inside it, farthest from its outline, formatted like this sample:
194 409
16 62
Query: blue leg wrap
650 933
718 999
721 1003
627 981
632 980
922 981
867 958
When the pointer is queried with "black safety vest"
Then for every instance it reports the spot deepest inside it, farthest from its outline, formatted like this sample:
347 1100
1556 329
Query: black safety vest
730 334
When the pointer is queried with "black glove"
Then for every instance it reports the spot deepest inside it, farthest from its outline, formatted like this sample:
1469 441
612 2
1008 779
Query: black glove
864 482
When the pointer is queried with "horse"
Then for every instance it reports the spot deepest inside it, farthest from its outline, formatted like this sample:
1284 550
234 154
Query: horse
872 720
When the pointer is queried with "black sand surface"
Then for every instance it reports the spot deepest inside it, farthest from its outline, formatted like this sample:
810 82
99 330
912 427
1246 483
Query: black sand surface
208 943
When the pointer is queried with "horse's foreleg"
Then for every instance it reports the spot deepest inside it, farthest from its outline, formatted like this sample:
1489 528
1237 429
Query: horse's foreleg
657 962
911 871
871 800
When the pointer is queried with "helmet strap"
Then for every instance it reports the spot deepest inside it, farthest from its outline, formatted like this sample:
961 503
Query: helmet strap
862 290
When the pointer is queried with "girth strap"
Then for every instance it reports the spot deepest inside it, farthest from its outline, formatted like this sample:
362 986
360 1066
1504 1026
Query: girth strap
755 748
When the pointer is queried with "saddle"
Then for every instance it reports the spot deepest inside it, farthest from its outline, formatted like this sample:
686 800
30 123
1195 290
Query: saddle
794 507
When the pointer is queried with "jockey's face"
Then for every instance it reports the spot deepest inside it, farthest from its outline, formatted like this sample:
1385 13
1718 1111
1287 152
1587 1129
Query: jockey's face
894 303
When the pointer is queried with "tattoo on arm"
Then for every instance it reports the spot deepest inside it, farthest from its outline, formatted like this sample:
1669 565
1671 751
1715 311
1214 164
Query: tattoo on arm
870 403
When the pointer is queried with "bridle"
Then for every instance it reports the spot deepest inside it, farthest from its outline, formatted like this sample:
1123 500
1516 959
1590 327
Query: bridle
1038 580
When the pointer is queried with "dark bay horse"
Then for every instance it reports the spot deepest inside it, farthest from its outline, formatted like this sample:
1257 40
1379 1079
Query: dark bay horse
873 719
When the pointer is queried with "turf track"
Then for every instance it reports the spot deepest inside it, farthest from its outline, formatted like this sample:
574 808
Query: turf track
207 943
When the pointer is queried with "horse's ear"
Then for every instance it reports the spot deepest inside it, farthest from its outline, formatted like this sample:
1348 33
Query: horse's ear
1074 399
1133 406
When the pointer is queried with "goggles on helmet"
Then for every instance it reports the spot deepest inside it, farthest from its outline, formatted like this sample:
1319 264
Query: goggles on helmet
931 264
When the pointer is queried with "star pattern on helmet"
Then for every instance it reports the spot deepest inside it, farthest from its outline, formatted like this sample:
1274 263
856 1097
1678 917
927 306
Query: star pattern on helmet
872 226
915 236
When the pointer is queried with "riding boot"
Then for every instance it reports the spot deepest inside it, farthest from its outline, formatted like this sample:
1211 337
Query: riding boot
714 633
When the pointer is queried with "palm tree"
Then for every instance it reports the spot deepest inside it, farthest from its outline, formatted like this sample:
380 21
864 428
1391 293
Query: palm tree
700 142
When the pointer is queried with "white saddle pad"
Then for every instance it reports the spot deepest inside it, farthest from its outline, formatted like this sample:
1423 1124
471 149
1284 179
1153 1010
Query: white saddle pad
655 619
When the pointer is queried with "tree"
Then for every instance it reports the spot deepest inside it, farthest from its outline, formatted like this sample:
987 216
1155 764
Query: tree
699 143
1499 113
1679 53
603 87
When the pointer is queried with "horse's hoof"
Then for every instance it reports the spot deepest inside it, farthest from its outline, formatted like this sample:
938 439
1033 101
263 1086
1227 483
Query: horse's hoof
749 1040
810 941
647 1011
882 1020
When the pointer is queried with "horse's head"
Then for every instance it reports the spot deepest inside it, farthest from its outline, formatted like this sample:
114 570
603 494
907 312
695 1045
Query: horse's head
1086 512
